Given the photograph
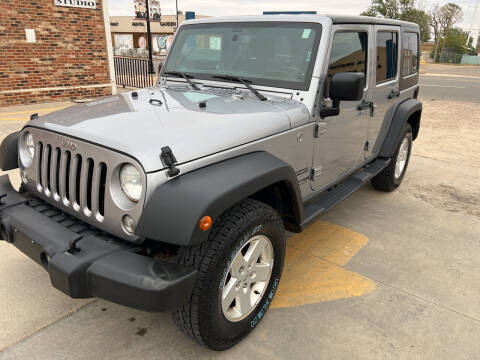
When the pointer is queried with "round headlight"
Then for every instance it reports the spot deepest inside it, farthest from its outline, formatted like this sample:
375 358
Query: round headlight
131 182
29 144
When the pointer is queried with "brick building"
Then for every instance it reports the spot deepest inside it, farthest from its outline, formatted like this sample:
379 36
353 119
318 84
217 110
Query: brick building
52 51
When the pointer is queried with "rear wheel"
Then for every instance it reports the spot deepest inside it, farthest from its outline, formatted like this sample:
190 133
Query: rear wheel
392 176
239 269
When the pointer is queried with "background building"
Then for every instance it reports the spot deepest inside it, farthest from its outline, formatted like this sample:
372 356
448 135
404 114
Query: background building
52 51
129 34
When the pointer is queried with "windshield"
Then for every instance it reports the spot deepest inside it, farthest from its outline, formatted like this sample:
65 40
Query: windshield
271 54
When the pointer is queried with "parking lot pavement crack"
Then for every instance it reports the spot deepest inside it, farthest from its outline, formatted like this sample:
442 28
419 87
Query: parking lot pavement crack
46 326
423 299
442 160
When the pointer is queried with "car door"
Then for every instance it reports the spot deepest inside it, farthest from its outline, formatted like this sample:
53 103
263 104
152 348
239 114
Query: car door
340 140
384 83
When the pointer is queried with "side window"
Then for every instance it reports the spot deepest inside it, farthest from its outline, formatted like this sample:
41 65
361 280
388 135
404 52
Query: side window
387 50
349 54
410 53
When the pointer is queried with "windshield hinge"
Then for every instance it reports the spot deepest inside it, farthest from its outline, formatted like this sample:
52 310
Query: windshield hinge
169 161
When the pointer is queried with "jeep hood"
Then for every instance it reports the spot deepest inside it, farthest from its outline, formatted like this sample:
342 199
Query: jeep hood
141 125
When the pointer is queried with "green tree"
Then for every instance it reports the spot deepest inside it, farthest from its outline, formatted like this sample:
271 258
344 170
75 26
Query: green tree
421 18
457 40
400 10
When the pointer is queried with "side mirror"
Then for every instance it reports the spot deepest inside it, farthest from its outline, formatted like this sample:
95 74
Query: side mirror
344 86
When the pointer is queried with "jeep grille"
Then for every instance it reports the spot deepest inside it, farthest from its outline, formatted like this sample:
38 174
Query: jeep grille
71 179
82 179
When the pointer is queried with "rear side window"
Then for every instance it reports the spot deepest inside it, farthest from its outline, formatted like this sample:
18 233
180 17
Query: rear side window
349 54
410 53
387 50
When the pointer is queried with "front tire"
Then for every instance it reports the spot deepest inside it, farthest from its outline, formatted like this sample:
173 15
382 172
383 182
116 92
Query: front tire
392 176
239 269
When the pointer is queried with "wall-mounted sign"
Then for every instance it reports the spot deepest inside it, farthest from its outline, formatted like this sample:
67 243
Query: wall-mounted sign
114 23
137 23
87 4
142 42
30 35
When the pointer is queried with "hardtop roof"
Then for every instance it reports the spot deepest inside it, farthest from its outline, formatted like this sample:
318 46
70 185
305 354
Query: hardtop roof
336 19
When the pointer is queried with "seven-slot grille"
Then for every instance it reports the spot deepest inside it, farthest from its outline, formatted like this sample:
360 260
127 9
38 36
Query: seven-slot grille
71 179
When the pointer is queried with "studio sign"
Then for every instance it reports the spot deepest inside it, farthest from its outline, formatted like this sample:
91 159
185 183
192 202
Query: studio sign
87 4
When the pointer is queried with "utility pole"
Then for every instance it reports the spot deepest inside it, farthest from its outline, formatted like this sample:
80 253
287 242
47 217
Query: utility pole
151 70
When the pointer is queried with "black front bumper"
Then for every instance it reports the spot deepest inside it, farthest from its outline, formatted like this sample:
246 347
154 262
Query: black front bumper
90 264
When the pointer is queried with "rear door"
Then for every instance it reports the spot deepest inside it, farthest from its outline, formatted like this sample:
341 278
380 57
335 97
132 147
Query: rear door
384 83
340 140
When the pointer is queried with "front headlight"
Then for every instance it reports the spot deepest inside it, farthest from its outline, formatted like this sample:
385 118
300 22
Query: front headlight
29 144
131 182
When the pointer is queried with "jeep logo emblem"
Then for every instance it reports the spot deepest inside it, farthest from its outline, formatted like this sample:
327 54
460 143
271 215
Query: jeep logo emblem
69 145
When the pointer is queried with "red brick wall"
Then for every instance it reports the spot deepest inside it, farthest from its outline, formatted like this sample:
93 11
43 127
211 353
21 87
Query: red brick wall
70 52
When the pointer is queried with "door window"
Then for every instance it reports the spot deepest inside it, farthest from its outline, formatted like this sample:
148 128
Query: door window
349 54
410 53
387 50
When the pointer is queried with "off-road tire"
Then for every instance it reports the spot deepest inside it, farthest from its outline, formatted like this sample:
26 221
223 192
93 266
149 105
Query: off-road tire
385 180
202 319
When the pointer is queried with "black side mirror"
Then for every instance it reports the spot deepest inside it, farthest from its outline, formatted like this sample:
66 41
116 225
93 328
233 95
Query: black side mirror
344 86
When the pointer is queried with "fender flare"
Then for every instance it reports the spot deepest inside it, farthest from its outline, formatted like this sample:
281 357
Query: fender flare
9 152
173 212
401 116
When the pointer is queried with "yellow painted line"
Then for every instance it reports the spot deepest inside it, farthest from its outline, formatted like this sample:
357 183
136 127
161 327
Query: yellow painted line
314 269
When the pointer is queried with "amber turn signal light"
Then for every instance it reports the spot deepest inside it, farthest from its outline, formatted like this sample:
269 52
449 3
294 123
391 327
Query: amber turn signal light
205 223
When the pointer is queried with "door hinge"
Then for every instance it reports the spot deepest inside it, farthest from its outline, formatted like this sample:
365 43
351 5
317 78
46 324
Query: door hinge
315 173
367 146
320 129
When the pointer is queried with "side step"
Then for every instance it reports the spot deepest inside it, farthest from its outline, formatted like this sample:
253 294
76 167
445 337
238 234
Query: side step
335 195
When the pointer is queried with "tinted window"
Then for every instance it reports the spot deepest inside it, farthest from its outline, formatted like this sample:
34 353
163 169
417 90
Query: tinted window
387 50
349 54
271 54
410 53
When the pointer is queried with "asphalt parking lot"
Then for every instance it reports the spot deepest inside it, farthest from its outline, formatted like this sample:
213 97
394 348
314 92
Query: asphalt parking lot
382 276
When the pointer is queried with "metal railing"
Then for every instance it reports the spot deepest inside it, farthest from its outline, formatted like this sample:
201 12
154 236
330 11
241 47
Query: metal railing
133 72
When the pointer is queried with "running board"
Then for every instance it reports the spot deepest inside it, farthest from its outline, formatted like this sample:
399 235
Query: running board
335 195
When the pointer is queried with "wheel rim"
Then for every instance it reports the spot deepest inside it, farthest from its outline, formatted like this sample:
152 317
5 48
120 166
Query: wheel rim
247 278
401 159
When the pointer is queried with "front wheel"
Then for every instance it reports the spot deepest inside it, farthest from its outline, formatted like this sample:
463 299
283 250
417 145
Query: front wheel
392 176
239 269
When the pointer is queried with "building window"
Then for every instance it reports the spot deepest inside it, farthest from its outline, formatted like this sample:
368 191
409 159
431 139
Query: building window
410 53
349 54
387 50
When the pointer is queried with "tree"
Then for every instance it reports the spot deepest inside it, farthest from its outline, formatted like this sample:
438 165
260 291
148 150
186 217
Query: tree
437 25
452 14
400 10
421 18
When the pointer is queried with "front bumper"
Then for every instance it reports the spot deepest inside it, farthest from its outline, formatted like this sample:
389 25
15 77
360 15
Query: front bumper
84 263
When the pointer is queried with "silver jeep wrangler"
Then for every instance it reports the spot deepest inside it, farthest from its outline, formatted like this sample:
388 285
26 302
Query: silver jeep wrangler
176 198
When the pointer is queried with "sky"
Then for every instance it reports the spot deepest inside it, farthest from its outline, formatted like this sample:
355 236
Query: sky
256 7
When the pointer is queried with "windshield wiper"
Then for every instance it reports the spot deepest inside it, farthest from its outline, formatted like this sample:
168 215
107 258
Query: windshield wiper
187 78
245 82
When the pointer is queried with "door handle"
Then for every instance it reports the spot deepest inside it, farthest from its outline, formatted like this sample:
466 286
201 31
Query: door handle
366 105
394 94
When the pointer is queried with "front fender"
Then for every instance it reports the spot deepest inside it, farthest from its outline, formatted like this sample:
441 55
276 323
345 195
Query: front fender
172 213
9 152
